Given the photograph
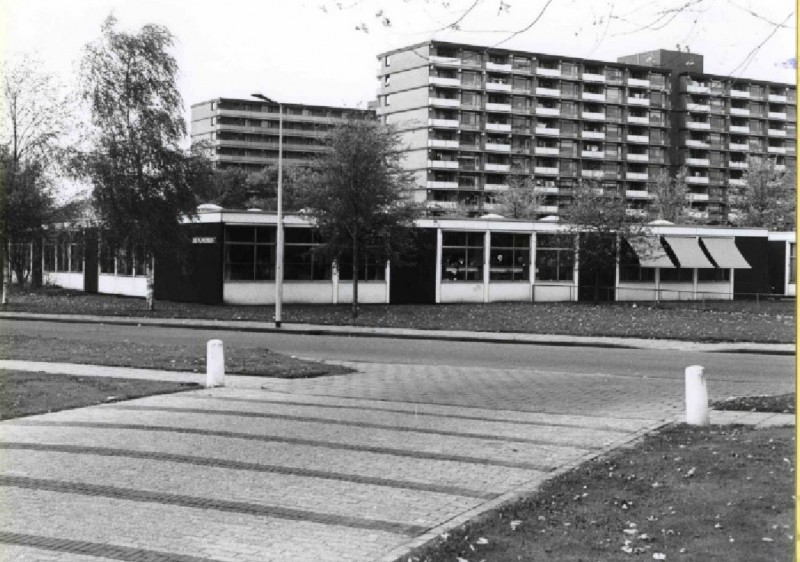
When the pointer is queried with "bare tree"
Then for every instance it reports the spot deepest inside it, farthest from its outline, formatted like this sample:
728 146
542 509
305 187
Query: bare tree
34 118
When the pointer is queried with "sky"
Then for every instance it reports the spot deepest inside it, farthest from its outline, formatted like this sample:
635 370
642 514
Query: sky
318 52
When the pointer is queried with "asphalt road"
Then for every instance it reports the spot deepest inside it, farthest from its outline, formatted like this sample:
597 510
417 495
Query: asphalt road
572 359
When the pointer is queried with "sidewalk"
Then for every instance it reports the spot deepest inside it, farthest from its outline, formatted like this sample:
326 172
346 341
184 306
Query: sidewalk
408 333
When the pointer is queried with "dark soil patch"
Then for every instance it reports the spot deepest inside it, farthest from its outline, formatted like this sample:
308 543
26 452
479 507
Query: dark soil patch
683 493
781 404
25 394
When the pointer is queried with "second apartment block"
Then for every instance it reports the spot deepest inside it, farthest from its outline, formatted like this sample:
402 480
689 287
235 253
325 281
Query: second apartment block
473 118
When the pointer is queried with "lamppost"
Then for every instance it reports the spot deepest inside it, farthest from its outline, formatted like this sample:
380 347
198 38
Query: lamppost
279 237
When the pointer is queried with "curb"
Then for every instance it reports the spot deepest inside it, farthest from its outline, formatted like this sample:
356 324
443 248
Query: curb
516 339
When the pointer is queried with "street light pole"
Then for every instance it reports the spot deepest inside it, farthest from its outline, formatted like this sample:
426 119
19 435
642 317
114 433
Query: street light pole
279 234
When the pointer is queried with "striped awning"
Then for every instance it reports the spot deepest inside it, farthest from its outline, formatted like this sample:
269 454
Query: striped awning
725 253
689 253
650 252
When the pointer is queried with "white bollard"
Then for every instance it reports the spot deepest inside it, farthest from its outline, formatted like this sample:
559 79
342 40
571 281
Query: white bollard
215 364
696 396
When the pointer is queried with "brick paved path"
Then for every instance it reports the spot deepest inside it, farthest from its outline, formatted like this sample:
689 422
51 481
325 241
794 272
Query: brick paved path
356 467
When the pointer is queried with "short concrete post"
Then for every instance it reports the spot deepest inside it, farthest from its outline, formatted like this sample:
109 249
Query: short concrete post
696 396
215 364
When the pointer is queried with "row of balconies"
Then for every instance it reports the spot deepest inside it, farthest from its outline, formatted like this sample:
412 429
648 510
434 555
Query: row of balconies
741 129
540 129
697 88
506 87
738 112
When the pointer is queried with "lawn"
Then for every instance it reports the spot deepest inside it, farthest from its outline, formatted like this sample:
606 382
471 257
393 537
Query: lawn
683 493
25 394
731 321
780 404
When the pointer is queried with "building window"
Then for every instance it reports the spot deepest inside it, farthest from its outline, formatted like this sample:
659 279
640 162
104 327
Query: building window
679 275
76 257
369 270
792 262
387 101
387 60
387 80
49 252
713 275
555 257
462 256
629 268
510 257
300 262
249 253
106 258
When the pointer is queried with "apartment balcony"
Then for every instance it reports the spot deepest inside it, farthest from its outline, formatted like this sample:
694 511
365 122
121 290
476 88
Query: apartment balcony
593 135
777 98
592 154
497 167
541 170
545 151
546 189
697 180
638 83
449 82
499 127
697 215
444 61
548 111
776 150
639 101
444 102
593 97
776 115
442 205
637 194
739 129
638 120
697 143
494 67
547 131
443 164
443 123
547 92
698 89
638 138
698 161
498 87
493 147
554 72
442 185
740 111
593 115
589 77
498 107
737 182
738 164
495 187
594 174
780 167
438 143
698 107
636 176
698 125
637 157
547 209
697 196
776 132
639 213
744 94
737 146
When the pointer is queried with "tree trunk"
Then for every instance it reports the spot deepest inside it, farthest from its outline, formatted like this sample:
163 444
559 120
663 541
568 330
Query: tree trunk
36 263
355 278
6 270
151 269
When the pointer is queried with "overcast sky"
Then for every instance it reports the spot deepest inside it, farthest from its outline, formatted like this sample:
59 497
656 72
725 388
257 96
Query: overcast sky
312 51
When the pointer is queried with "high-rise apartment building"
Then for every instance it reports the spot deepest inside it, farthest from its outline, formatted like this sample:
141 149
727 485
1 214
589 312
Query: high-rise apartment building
474 117
244 133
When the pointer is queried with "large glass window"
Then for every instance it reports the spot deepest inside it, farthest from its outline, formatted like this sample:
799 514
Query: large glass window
76 256
510 257
300 262
368 270
555 257
462 256
629 268
62 255
106 258
249 253
792 262
679 275
715 274
49 251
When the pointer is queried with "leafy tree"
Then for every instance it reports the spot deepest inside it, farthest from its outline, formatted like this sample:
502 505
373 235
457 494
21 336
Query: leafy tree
142 177
33 120
355 192
598 218
237 188
670 197
522 199
767 199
